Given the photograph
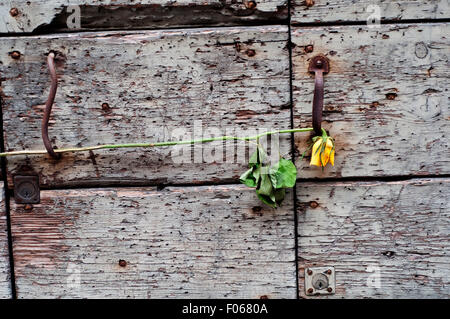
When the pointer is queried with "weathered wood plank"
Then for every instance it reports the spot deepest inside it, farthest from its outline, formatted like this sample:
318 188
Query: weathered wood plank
144 87
386 98
5 279
385 240
73 15
177 242
364 10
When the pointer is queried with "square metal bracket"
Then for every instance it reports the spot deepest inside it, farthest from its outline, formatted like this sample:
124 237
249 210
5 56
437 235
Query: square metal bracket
320 281
26 189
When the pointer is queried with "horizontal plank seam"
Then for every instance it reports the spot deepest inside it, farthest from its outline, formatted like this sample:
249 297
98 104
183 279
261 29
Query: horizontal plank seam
364 22
160 187
282 22
259 24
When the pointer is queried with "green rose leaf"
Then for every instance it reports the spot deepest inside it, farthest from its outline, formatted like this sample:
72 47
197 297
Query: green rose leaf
265 187
248 178
257 157
270 182
266 200
283 174
279 195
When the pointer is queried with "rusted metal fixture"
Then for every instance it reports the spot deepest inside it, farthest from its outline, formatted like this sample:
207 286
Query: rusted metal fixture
15 55
320 281
14 12
27 190
122 263
49 104
250 4
309 3
250 52
319 65
309 48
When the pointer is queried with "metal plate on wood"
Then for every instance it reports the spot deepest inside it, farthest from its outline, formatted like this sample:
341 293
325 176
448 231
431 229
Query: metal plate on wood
26 189
320 281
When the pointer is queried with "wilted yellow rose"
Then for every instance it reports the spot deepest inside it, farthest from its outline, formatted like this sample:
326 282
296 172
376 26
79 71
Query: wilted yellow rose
322 152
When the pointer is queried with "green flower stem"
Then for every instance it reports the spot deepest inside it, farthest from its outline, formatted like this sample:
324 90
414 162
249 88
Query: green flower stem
137 145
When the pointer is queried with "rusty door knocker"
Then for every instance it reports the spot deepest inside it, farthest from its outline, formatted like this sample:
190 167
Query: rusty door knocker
319 65
48 106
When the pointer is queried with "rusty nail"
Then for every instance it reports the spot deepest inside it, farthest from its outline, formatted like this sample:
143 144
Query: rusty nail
105 106
329 272
310 290
28 207
122 263
329 289
250 4
310 272
309 3
309 48
391 96
15 55
14 12
250 52
263 297
313 204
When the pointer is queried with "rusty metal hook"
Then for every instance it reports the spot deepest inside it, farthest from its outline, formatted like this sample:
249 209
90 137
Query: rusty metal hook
49 104
319 65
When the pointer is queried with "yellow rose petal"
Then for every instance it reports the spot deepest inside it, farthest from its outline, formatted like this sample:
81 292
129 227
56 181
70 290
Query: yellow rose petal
315 155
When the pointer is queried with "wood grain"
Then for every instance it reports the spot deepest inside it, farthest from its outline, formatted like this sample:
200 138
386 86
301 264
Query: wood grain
386 98
185 242
397 230
118 87
5 279
76 15
336 11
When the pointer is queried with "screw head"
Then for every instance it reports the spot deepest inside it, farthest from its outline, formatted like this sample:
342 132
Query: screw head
250 4
28 207
309 48
310 272
313 204
329 272
310 290
122 263
14 12
105 106
15 55
250 52
329 289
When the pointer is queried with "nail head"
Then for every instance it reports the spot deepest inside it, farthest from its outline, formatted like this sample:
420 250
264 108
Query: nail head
14 12
250 52
15 55
122 263
250 5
